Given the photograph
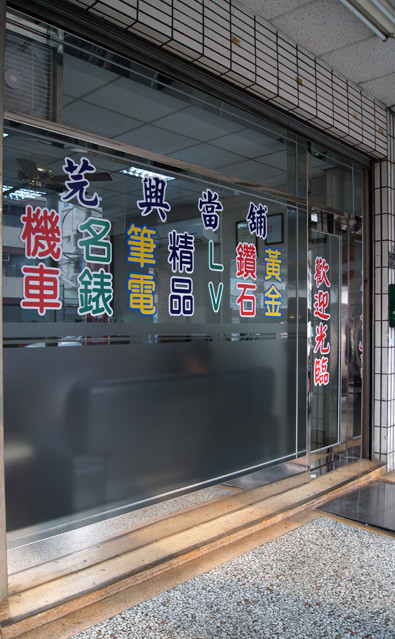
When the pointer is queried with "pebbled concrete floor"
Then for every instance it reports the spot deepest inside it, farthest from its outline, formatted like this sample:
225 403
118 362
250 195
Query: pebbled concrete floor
326 579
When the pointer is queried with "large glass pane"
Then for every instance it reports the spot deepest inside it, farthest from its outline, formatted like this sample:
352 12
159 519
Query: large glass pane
90 88
177 302
331 180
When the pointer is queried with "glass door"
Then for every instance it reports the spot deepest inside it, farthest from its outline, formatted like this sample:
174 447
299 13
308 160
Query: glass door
325 347
335 338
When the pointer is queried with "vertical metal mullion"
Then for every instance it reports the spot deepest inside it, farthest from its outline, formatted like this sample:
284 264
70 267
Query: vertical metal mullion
297 333
367 381
3 539
339 329
297 212
309 276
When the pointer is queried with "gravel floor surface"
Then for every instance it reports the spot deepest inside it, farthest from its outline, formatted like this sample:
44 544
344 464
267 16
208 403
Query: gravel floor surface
326 579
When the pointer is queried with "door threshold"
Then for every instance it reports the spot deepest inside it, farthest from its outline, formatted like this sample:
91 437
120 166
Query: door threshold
57 597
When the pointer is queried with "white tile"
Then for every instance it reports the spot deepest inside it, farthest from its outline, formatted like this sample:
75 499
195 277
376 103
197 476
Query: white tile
240 76
128 8
154 13
384 308
377 359
213 64
377 386
192 20
265 89
376 440
340 119
184 33
339 86
383 440
385 333
384 359
306 112
324 114
242 68
183 46
161 34
377 222
242 26
377 308
111 15
266 65
285 99
216 10
377 173
353 137
377 334
217 50
377 281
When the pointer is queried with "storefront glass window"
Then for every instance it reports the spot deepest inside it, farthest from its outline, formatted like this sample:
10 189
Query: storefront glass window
189 288
170 257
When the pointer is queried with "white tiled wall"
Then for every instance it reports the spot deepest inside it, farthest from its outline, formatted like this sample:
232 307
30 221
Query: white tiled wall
245 49
384 337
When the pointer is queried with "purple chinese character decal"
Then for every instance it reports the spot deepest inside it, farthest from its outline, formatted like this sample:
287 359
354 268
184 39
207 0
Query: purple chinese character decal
209 205
77 182
154 190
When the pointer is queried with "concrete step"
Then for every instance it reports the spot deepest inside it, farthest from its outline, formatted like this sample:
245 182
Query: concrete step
48 597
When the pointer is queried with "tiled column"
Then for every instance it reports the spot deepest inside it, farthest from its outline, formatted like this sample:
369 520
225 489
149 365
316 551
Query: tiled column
383 443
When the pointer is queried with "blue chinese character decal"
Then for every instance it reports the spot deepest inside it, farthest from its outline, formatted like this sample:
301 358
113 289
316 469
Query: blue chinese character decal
209 205
257 220
154 189
181 248
181 297
77 182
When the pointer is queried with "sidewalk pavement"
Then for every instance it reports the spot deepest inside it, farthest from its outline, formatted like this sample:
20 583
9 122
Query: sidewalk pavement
326 579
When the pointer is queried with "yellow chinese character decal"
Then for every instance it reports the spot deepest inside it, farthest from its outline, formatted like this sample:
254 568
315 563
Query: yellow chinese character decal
273 302
141 245
141 288
273 264
273 272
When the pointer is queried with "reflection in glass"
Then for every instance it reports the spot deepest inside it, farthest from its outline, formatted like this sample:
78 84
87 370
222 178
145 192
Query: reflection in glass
164 399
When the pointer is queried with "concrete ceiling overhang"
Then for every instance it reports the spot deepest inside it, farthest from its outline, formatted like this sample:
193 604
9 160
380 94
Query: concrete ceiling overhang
336 33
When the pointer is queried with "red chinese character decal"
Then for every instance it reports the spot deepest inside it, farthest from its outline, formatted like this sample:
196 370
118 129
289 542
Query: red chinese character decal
246 302
41 288
321 304
41 233
246 260
320 337
321 374
320 274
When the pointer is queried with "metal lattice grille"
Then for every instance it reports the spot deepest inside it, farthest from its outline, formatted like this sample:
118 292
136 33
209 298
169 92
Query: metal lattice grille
28 77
